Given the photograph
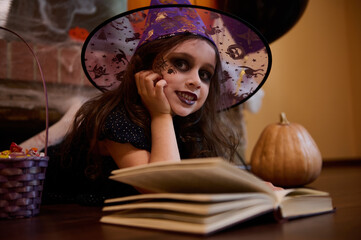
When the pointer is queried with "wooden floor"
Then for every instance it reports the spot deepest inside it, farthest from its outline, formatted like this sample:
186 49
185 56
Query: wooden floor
342 181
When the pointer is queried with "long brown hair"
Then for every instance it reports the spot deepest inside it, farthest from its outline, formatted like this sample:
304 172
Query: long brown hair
200 134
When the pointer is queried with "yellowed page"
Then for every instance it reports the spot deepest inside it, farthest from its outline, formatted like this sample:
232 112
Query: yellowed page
208 175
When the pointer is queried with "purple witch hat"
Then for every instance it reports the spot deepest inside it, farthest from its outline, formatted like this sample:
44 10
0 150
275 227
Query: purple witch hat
245 55
167 22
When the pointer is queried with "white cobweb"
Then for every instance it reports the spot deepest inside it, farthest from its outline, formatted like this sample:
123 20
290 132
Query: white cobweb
51 20
48 22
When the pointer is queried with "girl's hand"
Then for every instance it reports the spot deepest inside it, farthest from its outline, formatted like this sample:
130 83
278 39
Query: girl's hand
164 143
151 89
273 187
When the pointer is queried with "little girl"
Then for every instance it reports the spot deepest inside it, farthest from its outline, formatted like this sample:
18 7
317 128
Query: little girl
163 88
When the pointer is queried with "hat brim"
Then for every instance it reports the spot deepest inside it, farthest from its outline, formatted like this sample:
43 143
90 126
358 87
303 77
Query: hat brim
244 52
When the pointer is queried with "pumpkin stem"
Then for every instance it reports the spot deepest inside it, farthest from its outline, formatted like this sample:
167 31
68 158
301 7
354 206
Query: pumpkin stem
284 120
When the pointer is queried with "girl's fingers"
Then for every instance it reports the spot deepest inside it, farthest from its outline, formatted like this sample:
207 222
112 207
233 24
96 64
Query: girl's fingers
273 187
139 78
145 81
151 90
149 82
159 87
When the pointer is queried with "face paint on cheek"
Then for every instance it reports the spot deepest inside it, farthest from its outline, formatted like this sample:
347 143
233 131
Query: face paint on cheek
171 71
160 65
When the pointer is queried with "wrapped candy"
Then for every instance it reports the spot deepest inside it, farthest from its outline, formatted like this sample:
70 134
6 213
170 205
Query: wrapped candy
16 151
15 148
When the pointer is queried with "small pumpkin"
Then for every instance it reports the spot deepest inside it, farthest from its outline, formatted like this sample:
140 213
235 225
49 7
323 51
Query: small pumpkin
286 155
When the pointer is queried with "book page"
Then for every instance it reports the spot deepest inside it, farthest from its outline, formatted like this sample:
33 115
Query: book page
285 194
220 197
203 225
185 217
209 175
172 215
303 202
191 207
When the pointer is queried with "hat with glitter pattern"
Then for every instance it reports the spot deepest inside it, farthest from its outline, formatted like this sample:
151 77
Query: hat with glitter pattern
244 53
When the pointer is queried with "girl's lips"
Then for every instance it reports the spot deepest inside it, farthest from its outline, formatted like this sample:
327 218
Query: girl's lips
187 97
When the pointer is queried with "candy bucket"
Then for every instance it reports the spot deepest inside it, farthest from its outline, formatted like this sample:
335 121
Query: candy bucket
21 185
22 174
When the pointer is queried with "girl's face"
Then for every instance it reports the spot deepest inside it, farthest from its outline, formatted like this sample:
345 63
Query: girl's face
188 69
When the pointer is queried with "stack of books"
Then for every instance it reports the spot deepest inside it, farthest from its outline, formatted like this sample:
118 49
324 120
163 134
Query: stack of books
203 196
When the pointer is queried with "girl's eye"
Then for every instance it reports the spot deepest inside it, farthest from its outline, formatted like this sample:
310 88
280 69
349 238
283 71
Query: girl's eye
181 64
205 75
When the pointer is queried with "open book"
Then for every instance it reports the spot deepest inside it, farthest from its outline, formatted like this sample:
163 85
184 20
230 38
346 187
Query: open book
202 196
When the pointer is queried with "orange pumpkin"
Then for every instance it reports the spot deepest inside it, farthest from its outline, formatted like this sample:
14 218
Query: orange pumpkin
286 155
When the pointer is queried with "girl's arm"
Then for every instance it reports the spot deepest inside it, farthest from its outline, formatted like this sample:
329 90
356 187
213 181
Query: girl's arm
164 146
151 89
164 143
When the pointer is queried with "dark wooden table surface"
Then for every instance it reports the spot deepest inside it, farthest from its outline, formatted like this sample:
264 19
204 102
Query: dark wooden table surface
342 181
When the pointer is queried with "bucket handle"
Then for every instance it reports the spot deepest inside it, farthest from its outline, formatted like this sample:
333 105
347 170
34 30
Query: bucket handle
44 87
